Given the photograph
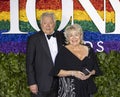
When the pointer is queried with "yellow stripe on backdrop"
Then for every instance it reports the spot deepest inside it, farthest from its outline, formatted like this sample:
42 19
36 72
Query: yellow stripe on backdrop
78 15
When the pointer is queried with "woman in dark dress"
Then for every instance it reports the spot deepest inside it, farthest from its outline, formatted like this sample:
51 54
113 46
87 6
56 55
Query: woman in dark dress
76 65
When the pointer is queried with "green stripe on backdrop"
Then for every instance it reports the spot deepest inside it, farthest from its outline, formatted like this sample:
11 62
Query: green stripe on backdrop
4 25
86 25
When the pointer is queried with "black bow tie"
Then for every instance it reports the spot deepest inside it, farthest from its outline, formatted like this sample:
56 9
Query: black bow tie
49 36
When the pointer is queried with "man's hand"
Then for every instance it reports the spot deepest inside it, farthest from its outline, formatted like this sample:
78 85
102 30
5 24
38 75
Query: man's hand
34 89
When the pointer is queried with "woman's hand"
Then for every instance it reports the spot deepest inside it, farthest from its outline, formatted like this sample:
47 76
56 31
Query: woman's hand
78 74
81 75
87 76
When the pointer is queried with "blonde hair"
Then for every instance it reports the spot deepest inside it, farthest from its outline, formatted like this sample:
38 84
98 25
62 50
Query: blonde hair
75 27
48 14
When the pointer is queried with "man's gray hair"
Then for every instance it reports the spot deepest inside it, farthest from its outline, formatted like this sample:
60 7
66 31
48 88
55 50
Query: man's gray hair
48 14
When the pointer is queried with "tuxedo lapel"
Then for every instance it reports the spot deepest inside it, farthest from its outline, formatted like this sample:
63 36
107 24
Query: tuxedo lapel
58 43
44 44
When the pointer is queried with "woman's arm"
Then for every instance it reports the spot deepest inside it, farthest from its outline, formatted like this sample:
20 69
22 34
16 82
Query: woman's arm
75 73
64 73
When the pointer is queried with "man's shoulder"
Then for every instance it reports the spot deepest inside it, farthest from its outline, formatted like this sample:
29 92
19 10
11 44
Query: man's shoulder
59 33
56 31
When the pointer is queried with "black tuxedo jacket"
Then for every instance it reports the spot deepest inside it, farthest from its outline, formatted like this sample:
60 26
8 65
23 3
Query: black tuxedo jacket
39 61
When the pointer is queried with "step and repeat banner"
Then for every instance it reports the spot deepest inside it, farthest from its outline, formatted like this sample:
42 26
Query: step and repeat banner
100 20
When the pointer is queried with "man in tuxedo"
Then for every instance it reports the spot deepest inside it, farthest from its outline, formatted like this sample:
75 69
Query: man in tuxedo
42 48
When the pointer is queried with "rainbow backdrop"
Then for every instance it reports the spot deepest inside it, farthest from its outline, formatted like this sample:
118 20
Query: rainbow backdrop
17 43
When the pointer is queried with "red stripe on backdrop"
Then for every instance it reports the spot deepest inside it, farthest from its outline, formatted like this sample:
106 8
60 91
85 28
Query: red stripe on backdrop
22 4
4 5
55 4
98 4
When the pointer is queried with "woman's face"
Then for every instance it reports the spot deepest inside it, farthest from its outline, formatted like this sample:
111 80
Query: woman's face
74 38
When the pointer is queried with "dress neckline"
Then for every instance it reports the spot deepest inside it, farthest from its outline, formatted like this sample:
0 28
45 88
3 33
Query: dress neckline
77 56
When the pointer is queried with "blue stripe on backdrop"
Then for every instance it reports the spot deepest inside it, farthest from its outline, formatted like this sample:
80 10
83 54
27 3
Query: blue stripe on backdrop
88 36
16 43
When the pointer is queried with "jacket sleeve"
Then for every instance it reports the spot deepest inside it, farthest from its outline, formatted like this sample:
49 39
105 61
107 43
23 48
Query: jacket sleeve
30 56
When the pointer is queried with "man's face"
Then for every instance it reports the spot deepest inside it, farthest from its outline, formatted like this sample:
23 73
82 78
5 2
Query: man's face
47 25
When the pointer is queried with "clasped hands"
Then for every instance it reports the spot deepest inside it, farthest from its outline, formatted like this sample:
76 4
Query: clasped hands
81 75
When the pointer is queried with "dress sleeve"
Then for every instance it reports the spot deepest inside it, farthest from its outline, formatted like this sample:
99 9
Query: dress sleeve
59 63
96 63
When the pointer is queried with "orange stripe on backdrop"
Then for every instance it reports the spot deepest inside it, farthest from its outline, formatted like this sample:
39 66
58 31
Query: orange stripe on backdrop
55 4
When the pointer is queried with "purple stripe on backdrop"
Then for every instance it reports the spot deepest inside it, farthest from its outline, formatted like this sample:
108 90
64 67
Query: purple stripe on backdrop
14 47
20 47
108 46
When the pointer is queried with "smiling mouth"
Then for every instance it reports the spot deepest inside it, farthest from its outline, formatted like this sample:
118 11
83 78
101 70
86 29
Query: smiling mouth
48 29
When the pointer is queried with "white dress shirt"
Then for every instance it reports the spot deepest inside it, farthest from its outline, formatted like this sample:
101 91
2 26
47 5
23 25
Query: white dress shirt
52 43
